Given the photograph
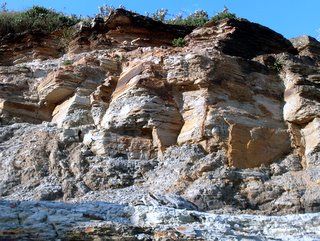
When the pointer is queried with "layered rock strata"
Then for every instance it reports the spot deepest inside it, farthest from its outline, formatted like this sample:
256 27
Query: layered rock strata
228 123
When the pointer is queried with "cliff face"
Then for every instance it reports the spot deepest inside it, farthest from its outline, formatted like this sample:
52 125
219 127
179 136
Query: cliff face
230 122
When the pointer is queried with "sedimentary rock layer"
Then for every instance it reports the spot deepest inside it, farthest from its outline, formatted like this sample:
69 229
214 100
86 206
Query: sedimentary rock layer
227 123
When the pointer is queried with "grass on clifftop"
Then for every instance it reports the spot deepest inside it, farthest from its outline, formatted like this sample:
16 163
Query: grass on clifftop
48 20
36 18
196 19
223 15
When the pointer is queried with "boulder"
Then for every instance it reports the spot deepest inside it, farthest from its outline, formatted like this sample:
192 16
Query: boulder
240 37
307 46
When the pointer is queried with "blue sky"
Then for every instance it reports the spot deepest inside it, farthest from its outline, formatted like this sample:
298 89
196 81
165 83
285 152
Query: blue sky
288 17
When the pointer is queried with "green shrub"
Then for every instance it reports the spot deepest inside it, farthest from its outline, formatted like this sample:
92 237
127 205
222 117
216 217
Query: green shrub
160 14
178 42
36 18
67 62
105 10
277 65
67 35
197 19
223 15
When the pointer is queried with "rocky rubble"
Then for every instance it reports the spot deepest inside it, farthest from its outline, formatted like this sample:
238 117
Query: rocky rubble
225 124
105 221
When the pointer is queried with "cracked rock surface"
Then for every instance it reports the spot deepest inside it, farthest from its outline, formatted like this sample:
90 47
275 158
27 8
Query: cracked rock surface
30 220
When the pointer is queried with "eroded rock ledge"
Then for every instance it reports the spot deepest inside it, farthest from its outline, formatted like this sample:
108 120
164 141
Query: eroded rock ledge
91 221
229 122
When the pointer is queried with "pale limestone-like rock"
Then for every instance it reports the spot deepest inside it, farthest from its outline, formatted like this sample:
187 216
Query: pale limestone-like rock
311 138
106 143
302 106
70 135
271 105
73 112
194 111
209 113
61 84
139 111
17 92
66 221
25 111
137 108
250 147
299 109
58 86
184 70
307 46
100 99
301 93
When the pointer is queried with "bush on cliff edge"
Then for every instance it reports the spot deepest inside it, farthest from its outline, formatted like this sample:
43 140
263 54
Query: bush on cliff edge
196 19
36 18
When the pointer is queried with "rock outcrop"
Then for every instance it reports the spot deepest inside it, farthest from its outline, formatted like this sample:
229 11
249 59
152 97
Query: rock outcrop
242 38
228 123
88 221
